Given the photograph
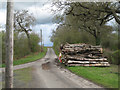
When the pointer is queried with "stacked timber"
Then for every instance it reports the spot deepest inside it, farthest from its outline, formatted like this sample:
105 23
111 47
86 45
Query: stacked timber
83 55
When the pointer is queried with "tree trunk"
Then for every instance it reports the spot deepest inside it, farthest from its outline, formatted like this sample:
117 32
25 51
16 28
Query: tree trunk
97 39
29 42
118 44
41 42
119 29
9 46
118 36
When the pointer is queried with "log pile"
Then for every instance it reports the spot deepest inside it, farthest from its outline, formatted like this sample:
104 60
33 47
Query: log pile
83 55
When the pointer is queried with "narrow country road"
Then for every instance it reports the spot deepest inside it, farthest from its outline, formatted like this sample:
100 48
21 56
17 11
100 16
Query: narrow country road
46 74
51 76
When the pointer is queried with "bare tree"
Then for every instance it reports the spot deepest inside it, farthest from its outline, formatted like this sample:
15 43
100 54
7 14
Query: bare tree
23 22
9 46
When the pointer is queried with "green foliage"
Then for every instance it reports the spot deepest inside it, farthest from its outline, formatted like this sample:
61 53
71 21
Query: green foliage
85 23
108 53
21 47
65 34
116 57
56 51
22 23
87 16
110 40
105 76
112 56
30 58
34 38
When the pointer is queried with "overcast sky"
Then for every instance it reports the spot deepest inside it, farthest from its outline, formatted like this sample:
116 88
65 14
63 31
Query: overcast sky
41 10
42 13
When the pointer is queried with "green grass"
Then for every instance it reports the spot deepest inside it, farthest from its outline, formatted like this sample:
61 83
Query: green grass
105 76
30 58
24 74
56 51
22 78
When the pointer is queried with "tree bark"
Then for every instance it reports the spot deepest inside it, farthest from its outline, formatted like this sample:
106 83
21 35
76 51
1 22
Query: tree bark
97 40
97 36
116 17
41 42
29 42
118 36
28 36
9 46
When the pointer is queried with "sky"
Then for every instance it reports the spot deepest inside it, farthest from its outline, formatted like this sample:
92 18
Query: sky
41 11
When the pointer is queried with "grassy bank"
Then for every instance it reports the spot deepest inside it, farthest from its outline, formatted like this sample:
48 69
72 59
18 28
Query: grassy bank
56 51
22 78
105 76
29 58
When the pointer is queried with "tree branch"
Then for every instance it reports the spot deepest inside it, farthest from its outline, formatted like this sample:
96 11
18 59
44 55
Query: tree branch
116 17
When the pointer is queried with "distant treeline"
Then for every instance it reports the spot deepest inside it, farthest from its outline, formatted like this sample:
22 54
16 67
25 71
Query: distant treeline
25 41
21 47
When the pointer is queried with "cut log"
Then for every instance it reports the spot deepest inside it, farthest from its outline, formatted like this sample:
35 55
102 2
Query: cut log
88 59
83 55
86 62
96 65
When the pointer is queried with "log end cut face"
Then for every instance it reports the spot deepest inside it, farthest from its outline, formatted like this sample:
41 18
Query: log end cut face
83 55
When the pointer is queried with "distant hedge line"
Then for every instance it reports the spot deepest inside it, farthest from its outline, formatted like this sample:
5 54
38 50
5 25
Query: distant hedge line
21 47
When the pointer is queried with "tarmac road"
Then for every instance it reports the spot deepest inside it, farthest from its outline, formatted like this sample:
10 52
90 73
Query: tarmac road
49 75
46 74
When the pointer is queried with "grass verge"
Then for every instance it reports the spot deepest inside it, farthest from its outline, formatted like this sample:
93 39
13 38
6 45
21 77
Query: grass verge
104 76
24 74
56 51
22 78
30 58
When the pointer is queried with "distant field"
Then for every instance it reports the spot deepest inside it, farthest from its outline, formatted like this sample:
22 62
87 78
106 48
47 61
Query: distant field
29 58
105 76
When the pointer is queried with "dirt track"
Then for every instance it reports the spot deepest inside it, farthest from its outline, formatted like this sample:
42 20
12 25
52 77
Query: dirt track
47 75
